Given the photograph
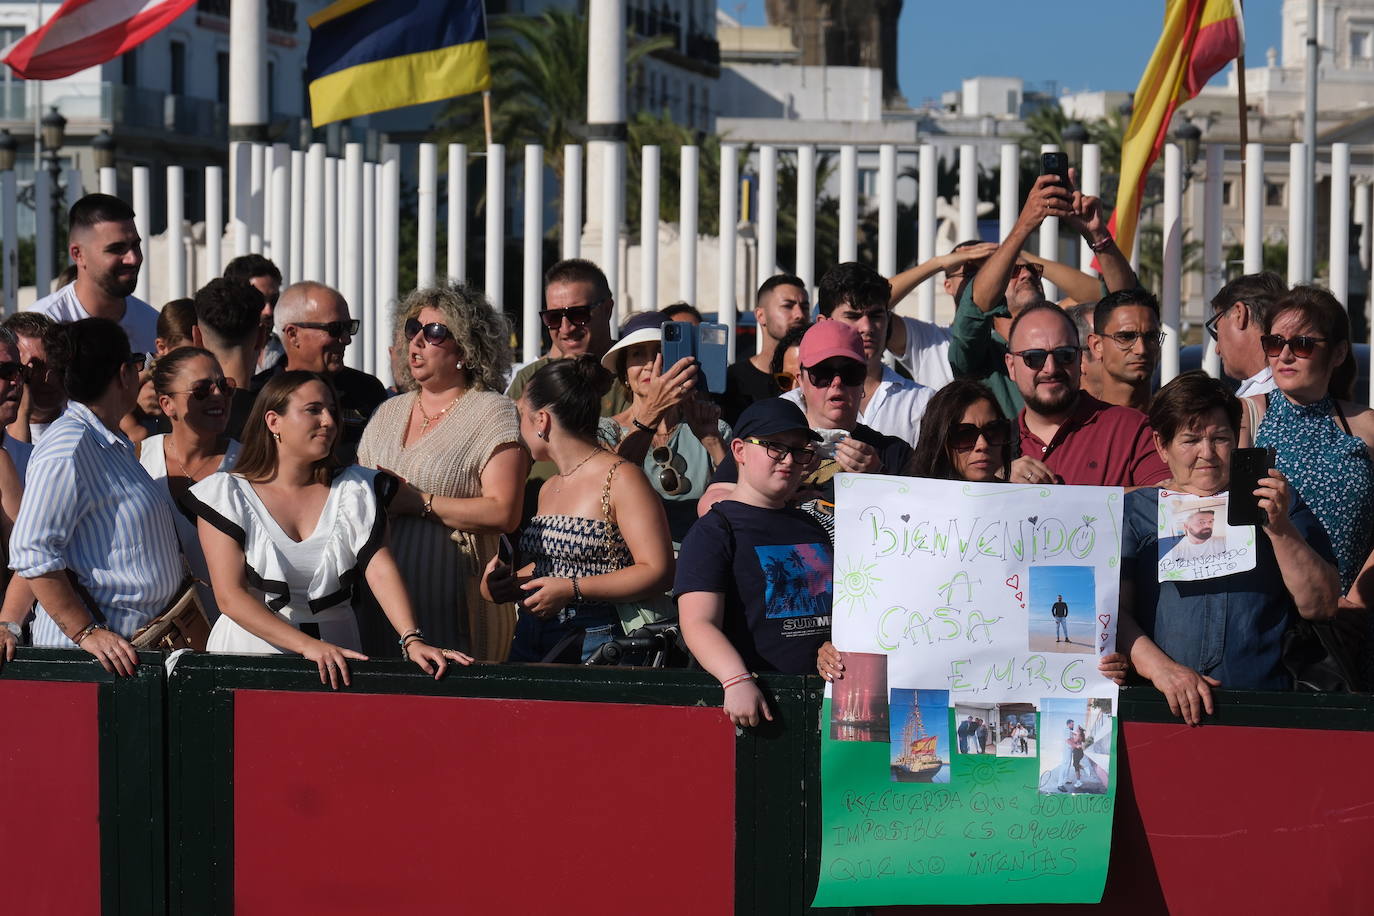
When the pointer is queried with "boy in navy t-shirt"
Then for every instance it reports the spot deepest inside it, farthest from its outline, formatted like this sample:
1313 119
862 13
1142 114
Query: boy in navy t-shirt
754 576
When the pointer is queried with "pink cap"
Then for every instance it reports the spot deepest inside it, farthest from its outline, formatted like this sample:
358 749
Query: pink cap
827 338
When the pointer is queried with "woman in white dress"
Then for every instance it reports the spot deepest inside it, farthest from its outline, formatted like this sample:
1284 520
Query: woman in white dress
194 396
287 534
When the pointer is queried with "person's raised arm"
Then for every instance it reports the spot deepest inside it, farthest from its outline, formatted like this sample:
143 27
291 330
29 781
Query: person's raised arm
1313 582
912 277
666 391
1047 198
1073 283
702 615
1087 220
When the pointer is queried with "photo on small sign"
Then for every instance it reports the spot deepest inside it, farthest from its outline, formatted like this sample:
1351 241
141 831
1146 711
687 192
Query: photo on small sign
1061 609
1196 543
858 701
920 735
976 728
1016 730
1075 746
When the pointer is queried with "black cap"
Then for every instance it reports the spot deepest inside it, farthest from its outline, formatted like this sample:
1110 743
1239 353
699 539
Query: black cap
770 416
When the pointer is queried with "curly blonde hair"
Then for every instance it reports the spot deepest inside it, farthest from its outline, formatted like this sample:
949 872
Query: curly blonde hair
482 333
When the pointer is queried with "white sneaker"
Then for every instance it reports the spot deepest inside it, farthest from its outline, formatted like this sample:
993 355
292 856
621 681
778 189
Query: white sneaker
1078 783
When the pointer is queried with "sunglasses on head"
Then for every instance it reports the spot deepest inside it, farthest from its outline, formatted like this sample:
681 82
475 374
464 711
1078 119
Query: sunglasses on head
785 381
672 469
850 373
1303 346
335 329
964 436
578 316
801 454
202 389
11 371
435 332
1035 359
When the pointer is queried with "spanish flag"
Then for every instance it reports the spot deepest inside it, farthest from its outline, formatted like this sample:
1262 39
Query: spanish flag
1200 37
374 55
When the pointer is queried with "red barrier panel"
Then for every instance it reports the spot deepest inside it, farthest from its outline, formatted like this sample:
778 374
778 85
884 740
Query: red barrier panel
366 803
50 828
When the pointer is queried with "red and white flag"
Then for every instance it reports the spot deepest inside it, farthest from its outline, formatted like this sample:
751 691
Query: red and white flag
84 33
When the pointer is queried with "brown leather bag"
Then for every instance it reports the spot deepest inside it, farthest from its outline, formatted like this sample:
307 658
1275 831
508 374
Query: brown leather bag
182 626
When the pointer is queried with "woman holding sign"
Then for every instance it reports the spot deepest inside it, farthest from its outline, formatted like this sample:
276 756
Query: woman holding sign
1223 625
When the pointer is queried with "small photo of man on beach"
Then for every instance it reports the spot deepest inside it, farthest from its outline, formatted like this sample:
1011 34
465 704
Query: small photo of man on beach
1061 609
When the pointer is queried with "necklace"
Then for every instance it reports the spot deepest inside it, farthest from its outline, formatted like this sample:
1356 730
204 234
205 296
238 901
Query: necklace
424 427
190 475
577 467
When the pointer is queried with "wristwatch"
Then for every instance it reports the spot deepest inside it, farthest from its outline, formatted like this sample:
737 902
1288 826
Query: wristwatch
13 627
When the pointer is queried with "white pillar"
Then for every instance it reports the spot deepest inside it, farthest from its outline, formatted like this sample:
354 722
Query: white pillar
269 205
214 221
1090 183
176 233
925 227
457 213
295 252
314 236
280 200
380 337
256 204
1049 237
241 191
849 204
73 190
648 228
767 216
534 251
428 216
572 200
43 235
968 192
1007 209
331 221
1213 270
605 65
1254 208
806 217
388 249
1340 223
729 218
9 231
351 245
612 203
109 181
1171 281
1298 228
687 233
142 210
494 277
887 210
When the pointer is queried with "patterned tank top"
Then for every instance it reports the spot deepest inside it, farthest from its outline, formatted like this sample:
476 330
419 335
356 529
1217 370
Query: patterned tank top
1329 468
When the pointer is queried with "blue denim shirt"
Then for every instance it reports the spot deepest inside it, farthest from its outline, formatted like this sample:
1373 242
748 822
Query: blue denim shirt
1229 628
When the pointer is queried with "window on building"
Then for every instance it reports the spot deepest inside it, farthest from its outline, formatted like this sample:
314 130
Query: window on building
128 63
222 77
1361 44
1273 193
691 105
1228 193
271 87
178 68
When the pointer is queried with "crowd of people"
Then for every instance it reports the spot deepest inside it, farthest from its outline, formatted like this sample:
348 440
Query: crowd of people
220 447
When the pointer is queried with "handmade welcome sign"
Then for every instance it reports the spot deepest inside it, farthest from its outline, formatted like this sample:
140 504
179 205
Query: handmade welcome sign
967 751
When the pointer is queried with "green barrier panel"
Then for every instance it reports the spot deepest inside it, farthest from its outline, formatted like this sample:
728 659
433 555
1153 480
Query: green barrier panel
131 751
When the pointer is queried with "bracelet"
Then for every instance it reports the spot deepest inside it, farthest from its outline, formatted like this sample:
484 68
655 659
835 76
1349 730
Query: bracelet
1102 245
90 628
738 679
577 590
405 643
409 633
427 505
16 630
642 427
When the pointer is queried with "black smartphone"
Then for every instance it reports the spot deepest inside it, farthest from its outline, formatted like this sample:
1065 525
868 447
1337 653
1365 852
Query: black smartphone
1056 164
505 552
1248 465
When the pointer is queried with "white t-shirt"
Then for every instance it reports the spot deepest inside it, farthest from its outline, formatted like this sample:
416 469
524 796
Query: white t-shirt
927 353
895 409
139 321
1262 382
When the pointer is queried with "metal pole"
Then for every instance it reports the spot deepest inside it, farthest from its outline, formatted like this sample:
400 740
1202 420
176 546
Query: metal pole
314 238
1299 228
9 231
494 278
572 200
1254 208
729 216
925 227
612 203
768 215
331 221
887 210
1049 237
351 256
1213 270
428 216
1007 210
142 210
687 236
379 336
241 191
109 181
43 238
806 217
534 250
296 251
214 221
388 249
1090 183
280 198
1308 175
176 233
648 228
1173 261
849 204
968 192
1340 223
256 202
457 212
247 106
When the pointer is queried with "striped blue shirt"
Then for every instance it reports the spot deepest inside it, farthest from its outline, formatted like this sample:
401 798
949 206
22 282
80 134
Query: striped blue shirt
91 508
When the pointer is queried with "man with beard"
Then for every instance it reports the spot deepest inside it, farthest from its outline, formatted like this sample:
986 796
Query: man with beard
782 305
1067 435
1007 283
44 397
1125 343
313 323
107 252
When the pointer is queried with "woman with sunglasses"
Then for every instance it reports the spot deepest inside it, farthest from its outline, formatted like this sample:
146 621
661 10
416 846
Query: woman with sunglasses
1321 440
684 440
455 442
786 364
193 395
964 435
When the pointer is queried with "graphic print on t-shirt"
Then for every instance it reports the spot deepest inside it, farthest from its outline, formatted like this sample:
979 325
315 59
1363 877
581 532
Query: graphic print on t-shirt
796 579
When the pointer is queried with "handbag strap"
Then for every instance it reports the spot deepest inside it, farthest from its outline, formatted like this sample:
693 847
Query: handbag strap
606 504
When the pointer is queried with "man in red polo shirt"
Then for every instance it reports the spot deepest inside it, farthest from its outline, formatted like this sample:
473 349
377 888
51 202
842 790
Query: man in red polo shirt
1067 435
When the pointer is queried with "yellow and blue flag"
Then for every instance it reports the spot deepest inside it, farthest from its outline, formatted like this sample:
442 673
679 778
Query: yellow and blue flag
374 55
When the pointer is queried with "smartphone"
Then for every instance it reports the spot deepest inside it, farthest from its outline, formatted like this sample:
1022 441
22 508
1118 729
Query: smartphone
1248 465
713 353
679 340
1056 164
505 552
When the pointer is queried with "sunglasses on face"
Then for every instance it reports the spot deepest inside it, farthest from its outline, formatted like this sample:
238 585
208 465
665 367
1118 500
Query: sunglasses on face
138 361
1035 359
785 381
335 329
850 374
801 454
671 470
964 436
202 389
1211 323
1126 339
11 371
1035 270
435 332
1303 346
578 316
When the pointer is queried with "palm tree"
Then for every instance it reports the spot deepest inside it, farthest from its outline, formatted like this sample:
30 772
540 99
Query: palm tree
670 137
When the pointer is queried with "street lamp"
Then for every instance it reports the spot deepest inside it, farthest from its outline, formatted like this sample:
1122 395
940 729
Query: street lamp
103 150
1190 135
53 131
9 151
1074 136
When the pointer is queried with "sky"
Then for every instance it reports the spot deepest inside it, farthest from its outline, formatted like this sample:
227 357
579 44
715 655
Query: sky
939 47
